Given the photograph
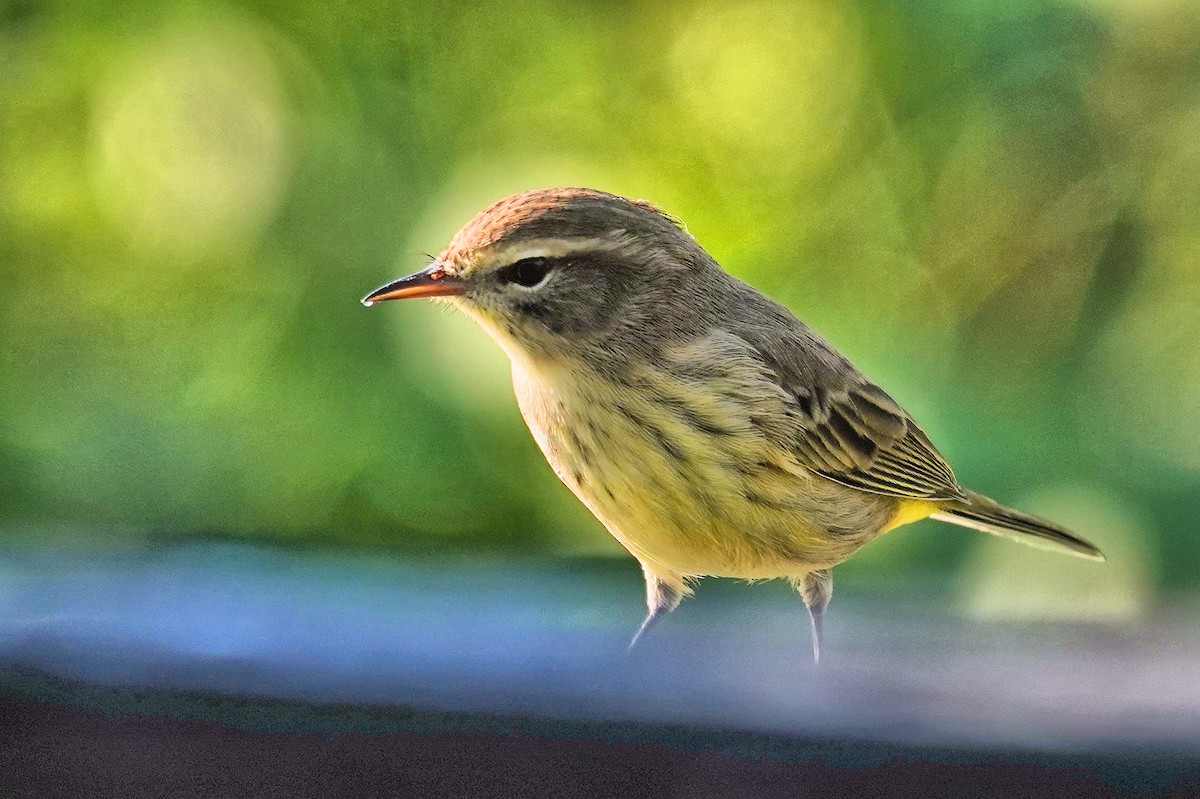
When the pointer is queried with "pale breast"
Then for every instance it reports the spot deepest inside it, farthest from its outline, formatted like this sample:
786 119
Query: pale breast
684 467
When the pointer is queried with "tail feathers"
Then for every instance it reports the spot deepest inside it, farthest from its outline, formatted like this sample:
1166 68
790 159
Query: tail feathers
980 513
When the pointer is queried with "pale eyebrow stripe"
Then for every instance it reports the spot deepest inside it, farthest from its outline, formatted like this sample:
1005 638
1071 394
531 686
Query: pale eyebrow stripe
549 248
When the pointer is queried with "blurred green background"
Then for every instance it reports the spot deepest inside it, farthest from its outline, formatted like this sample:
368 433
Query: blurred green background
992 206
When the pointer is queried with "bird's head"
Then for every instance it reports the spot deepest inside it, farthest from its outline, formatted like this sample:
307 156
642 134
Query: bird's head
550 270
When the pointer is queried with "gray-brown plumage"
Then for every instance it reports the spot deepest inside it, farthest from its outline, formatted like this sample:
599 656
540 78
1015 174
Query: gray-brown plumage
711 432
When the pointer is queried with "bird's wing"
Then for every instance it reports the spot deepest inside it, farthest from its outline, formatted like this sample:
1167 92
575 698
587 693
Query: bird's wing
846 428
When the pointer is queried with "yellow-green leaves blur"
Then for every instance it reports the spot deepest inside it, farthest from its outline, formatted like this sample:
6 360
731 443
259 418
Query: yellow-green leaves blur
993 207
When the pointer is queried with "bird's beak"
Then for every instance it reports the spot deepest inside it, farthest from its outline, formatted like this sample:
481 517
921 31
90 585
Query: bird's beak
433 281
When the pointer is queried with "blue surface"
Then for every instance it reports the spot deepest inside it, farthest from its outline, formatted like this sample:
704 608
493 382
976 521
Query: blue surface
548 639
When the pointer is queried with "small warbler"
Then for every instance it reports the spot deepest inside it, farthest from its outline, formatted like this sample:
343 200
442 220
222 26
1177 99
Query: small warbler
711 431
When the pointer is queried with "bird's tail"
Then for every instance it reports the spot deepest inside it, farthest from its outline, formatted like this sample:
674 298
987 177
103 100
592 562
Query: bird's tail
981 513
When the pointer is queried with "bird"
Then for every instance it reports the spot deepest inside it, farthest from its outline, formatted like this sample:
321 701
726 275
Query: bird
712 432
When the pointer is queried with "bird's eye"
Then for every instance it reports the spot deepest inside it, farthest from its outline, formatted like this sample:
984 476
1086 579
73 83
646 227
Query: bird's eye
528 272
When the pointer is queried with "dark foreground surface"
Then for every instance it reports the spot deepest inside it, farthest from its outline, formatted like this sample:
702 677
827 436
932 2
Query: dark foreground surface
231 671
71 741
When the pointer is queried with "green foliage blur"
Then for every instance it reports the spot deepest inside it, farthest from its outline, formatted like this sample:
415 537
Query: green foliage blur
993 207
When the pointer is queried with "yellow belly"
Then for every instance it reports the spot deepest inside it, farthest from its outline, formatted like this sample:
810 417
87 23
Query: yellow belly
691 503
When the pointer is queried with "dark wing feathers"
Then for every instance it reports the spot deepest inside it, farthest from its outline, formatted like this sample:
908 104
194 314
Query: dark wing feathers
876 448
848 429
878 411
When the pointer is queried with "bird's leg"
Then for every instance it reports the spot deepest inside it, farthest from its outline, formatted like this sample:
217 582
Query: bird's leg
661 598
815 589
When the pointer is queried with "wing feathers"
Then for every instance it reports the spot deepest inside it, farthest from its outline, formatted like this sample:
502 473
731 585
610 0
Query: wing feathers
879 411
848 429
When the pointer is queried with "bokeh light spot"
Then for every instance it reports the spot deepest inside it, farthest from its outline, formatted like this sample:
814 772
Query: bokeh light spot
779 79
191 139
1003 579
